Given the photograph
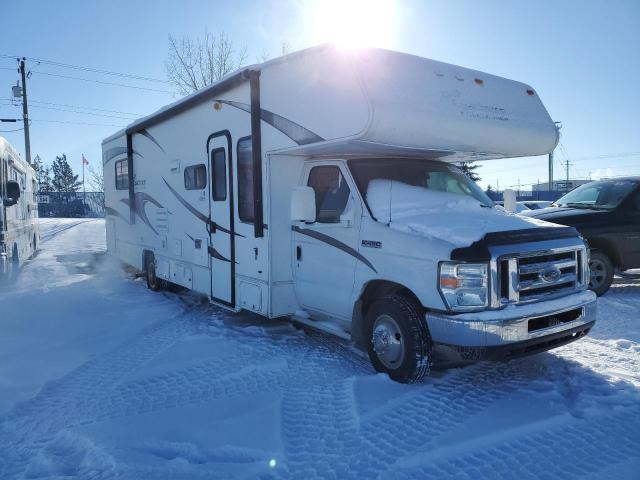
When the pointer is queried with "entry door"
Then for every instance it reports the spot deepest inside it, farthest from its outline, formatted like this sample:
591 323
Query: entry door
325 252
221 228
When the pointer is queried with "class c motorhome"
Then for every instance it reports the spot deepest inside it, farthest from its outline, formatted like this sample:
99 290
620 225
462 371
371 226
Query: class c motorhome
323 186
19 233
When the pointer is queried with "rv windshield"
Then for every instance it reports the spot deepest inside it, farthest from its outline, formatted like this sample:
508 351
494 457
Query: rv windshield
427 174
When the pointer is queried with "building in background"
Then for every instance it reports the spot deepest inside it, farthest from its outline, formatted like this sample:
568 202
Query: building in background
559 185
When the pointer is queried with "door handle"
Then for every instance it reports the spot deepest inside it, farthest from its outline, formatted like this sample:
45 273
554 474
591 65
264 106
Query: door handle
299 252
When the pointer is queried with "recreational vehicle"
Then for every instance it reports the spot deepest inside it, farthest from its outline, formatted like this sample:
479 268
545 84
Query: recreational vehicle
322 186
19 234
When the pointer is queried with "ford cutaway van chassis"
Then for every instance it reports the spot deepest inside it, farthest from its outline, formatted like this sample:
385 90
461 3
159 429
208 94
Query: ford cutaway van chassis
323 186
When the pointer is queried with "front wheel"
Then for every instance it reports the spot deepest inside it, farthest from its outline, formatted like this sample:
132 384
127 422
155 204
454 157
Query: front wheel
601 275
399 343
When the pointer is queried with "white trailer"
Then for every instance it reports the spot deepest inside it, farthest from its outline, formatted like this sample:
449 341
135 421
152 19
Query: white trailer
19 233
322 186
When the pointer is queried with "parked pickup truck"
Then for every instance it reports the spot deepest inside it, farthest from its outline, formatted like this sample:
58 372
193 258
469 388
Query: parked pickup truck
607 215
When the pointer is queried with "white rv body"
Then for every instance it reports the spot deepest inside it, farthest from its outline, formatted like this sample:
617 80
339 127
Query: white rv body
19 233
272 124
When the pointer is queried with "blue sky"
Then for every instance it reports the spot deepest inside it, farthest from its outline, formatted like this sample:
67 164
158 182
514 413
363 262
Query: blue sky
581 57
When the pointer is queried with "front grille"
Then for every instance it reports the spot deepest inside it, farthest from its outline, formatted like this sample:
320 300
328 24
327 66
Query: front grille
533 276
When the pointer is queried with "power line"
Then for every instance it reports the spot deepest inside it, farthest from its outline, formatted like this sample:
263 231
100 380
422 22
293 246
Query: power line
100 81
91 69
78 123
81 107
82 113
9 131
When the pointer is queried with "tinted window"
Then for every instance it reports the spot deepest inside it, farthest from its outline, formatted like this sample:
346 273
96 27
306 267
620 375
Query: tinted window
245 181
604 194
219 174
332 193
195 177
122 175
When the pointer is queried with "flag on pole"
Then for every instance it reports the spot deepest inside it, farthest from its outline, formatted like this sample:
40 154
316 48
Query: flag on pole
84 160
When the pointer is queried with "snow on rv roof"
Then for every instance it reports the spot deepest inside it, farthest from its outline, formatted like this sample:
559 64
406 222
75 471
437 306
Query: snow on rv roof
416 106
7 149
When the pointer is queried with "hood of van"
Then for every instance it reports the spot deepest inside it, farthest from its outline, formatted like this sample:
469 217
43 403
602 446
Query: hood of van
462 225
454 218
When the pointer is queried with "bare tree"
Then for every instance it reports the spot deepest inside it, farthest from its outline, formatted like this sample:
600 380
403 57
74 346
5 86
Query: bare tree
96 179
285 49
195 63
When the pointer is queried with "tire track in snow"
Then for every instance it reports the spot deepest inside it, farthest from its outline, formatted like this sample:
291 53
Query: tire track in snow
412 423
34 423
55 231
587 442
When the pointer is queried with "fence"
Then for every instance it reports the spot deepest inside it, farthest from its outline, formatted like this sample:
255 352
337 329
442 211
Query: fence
71 204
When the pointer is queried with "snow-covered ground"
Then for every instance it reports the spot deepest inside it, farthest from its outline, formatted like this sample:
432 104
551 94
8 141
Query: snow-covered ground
101 378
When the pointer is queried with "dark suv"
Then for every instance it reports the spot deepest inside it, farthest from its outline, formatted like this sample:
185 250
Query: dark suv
607 215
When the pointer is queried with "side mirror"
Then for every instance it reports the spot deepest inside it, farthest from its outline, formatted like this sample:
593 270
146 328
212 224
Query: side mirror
303 205
13 193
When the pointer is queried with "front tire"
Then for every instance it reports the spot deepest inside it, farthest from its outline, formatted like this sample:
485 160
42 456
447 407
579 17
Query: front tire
601 275
398 340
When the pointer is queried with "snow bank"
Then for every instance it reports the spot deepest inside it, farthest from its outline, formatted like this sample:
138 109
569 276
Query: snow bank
456 218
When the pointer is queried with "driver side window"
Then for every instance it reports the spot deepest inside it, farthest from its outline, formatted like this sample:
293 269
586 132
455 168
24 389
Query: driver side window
332 193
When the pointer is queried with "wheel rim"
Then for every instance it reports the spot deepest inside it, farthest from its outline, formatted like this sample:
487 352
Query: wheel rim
598 273
388 342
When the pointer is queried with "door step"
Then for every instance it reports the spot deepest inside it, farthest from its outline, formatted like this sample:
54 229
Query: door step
326 326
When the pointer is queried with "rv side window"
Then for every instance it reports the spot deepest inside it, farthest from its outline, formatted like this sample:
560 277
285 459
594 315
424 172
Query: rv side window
122 175
332 193
195 177
219 175
245 180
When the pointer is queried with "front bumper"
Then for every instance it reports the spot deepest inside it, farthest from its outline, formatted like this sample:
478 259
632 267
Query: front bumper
511 332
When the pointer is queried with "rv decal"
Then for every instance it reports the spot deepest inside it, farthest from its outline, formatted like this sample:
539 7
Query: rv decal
294 131
114 152
215 254
198 214
334 243
114 213
140 202
144 133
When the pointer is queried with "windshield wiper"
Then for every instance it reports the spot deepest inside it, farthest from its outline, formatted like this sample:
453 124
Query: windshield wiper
584 205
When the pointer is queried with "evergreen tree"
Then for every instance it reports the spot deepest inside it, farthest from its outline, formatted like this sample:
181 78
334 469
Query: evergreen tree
45 183
63 178
43 175
469 168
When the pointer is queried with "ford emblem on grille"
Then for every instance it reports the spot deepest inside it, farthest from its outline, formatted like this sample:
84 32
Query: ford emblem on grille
550 275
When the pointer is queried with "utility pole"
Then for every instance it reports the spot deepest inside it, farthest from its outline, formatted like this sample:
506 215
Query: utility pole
25 112
566 165
551 171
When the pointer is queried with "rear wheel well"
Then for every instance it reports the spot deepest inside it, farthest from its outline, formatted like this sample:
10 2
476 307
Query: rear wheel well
373 291
606 247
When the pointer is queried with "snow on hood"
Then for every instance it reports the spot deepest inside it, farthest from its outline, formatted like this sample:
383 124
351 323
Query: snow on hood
455 218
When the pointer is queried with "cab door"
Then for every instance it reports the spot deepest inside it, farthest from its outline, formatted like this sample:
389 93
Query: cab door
221 227
631 230
325 251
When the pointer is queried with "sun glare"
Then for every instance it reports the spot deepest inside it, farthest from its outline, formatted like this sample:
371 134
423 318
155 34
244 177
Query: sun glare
354 23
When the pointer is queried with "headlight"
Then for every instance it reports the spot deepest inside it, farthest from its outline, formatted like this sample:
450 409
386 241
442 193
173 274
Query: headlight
464 285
